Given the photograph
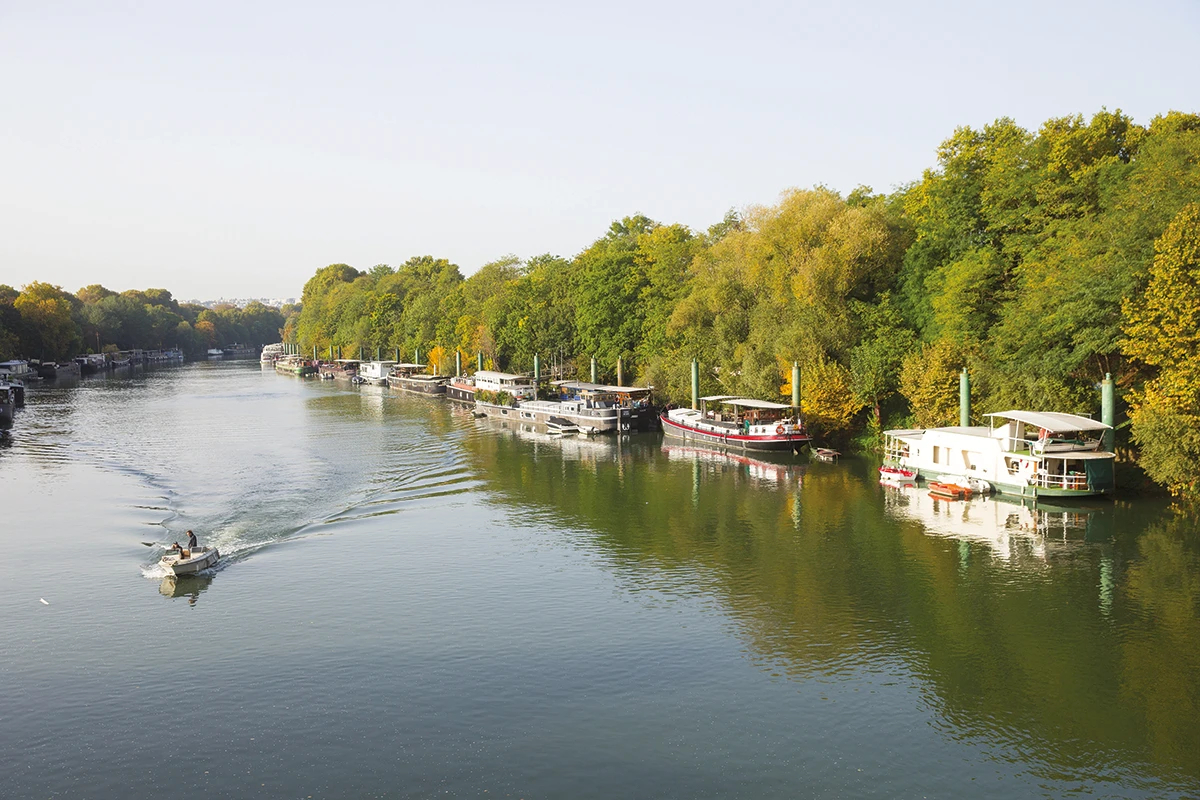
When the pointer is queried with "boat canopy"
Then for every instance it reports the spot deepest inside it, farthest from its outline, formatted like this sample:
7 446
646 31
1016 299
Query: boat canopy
746 402
600 387
718 398
489 375
1052 420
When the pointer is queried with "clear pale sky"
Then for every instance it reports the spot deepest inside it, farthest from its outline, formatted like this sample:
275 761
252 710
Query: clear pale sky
231 149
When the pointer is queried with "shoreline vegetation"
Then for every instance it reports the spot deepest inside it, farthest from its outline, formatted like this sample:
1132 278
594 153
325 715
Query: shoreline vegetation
1038 261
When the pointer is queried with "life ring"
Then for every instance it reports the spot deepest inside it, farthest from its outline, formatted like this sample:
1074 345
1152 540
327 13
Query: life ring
779 429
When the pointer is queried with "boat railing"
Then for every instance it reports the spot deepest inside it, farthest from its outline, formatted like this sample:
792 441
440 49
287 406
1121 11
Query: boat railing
1061 480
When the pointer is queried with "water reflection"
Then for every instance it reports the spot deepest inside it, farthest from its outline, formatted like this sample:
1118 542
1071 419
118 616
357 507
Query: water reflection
1013 530
1053 633
189 586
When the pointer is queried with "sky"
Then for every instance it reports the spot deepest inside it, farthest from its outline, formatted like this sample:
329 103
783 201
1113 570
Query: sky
231 149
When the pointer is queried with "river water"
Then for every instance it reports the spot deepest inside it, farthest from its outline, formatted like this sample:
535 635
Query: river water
414 603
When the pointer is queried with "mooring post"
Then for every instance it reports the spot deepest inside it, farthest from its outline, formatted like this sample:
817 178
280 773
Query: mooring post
1108 402
457 363
964 398
593 369
360 352
479 361
397 355
695 385
620 373
537 374
417 356
796 388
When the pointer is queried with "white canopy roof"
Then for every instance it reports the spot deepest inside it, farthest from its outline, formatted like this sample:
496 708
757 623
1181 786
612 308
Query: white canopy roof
601 387
488 375
1053 421
743 402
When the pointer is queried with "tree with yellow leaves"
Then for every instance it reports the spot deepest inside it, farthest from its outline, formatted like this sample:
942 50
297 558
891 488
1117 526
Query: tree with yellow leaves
1163 331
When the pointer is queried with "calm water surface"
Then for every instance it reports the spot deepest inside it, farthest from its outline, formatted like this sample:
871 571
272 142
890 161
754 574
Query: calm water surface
417 603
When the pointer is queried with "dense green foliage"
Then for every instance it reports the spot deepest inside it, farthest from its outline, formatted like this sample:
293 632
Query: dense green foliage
43 321
1026 257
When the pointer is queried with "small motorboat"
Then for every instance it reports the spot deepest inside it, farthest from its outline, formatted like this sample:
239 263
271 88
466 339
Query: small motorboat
949 491
890 472
557 426
183 561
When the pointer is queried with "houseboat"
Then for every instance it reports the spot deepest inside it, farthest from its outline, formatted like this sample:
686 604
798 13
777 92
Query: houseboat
1027 453
17 371
738 422
49 370
238 351
414 378
8 404
375 372
342 369
296 365
502 388
91 363
271 353
634 399
461 388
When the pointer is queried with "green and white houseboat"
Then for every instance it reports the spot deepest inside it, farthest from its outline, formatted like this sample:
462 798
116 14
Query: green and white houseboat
1026 453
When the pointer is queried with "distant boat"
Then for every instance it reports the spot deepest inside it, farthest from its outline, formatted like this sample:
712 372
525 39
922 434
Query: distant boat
414 378
8 404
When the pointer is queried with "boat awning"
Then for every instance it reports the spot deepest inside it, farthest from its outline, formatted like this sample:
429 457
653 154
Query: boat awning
488 375
600 387
402 365
744 402
1053 421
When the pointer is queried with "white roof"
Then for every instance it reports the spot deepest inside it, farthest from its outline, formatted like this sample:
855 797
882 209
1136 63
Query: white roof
1053 421
601 387
743 402
402 365
498 376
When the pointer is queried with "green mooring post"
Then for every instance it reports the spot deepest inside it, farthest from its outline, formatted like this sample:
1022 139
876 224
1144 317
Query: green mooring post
593 369
457 363
397 355
360 352
964 398
377 356
314 352
695 384
479 361
537 374
417 356
796 386
331 352
1108 402
620 373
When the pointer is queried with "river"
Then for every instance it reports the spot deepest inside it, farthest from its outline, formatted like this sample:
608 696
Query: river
413 602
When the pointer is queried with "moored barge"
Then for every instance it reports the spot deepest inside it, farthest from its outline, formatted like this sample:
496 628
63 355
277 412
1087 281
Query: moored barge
738 422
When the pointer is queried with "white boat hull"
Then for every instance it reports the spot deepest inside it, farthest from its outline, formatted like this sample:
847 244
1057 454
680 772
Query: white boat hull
197 560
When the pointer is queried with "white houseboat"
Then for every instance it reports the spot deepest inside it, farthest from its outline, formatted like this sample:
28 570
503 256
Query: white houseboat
1028 453
738 422
375 372
414 378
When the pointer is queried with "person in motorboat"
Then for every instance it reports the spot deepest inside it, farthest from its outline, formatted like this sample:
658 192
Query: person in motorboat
185 551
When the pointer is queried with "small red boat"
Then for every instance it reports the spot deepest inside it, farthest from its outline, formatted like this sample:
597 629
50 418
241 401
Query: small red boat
949 491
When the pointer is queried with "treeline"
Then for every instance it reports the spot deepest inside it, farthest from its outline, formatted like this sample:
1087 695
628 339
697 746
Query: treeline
44 321
1028 258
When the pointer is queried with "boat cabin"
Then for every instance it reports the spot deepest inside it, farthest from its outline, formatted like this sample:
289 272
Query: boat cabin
515 385
745 412
598 395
